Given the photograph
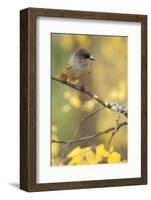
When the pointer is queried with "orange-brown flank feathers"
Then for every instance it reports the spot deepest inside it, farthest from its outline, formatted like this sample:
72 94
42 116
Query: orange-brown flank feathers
69 75
62 76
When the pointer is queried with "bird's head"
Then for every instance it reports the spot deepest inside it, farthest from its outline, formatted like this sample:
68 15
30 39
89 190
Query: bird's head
84 55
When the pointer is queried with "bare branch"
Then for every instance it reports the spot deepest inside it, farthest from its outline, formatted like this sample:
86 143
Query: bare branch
115 128
97 134
69 145
112 106
83 120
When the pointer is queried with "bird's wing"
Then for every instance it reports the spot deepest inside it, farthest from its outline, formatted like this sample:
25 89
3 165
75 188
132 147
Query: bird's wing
67 68
66 71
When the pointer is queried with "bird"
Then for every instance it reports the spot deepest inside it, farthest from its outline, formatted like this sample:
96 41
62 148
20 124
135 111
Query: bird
77 66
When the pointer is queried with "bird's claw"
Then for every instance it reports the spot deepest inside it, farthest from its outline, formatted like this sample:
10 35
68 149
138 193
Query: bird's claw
84 88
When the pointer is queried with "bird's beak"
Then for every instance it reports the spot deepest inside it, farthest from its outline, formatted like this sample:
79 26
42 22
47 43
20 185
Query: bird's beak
92 57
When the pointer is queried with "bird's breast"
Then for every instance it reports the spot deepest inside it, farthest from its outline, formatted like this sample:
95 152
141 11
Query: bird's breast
80 69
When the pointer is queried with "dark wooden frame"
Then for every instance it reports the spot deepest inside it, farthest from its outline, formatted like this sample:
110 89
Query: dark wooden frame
28 98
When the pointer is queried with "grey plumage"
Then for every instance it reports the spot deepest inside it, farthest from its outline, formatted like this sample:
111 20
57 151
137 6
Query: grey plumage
77 66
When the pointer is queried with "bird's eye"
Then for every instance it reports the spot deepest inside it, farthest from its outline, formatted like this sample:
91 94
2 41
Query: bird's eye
86 56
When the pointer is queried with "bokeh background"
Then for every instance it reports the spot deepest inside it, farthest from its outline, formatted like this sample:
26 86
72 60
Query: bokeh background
107 79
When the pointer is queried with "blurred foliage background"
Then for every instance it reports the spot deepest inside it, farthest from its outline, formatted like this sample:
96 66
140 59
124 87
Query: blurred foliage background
107 79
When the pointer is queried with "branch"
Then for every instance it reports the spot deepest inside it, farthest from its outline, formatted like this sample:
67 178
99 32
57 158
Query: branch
115 128
69 145
112 106
83 120
97 134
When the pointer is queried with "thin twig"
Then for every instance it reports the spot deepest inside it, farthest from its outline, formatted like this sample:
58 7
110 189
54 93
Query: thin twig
115 128
111 106
97 134
68 146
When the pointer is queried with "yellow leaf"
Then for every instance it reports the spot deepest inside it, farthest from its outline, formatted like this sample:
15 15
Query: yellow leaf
82 156
114 158
101 152
74 152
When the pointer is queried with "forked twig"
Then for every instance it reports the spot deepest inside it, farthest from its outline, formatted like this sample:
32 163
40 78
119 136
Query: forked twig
97 134
68 146
115 128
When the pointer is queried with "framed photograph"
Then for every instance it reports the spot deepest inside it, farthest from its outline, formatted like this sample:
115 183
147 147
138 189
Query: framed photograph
83 93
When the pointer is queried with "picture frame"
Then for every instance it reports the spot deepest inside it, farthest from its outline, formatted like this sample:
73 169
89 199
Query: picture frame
28 98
